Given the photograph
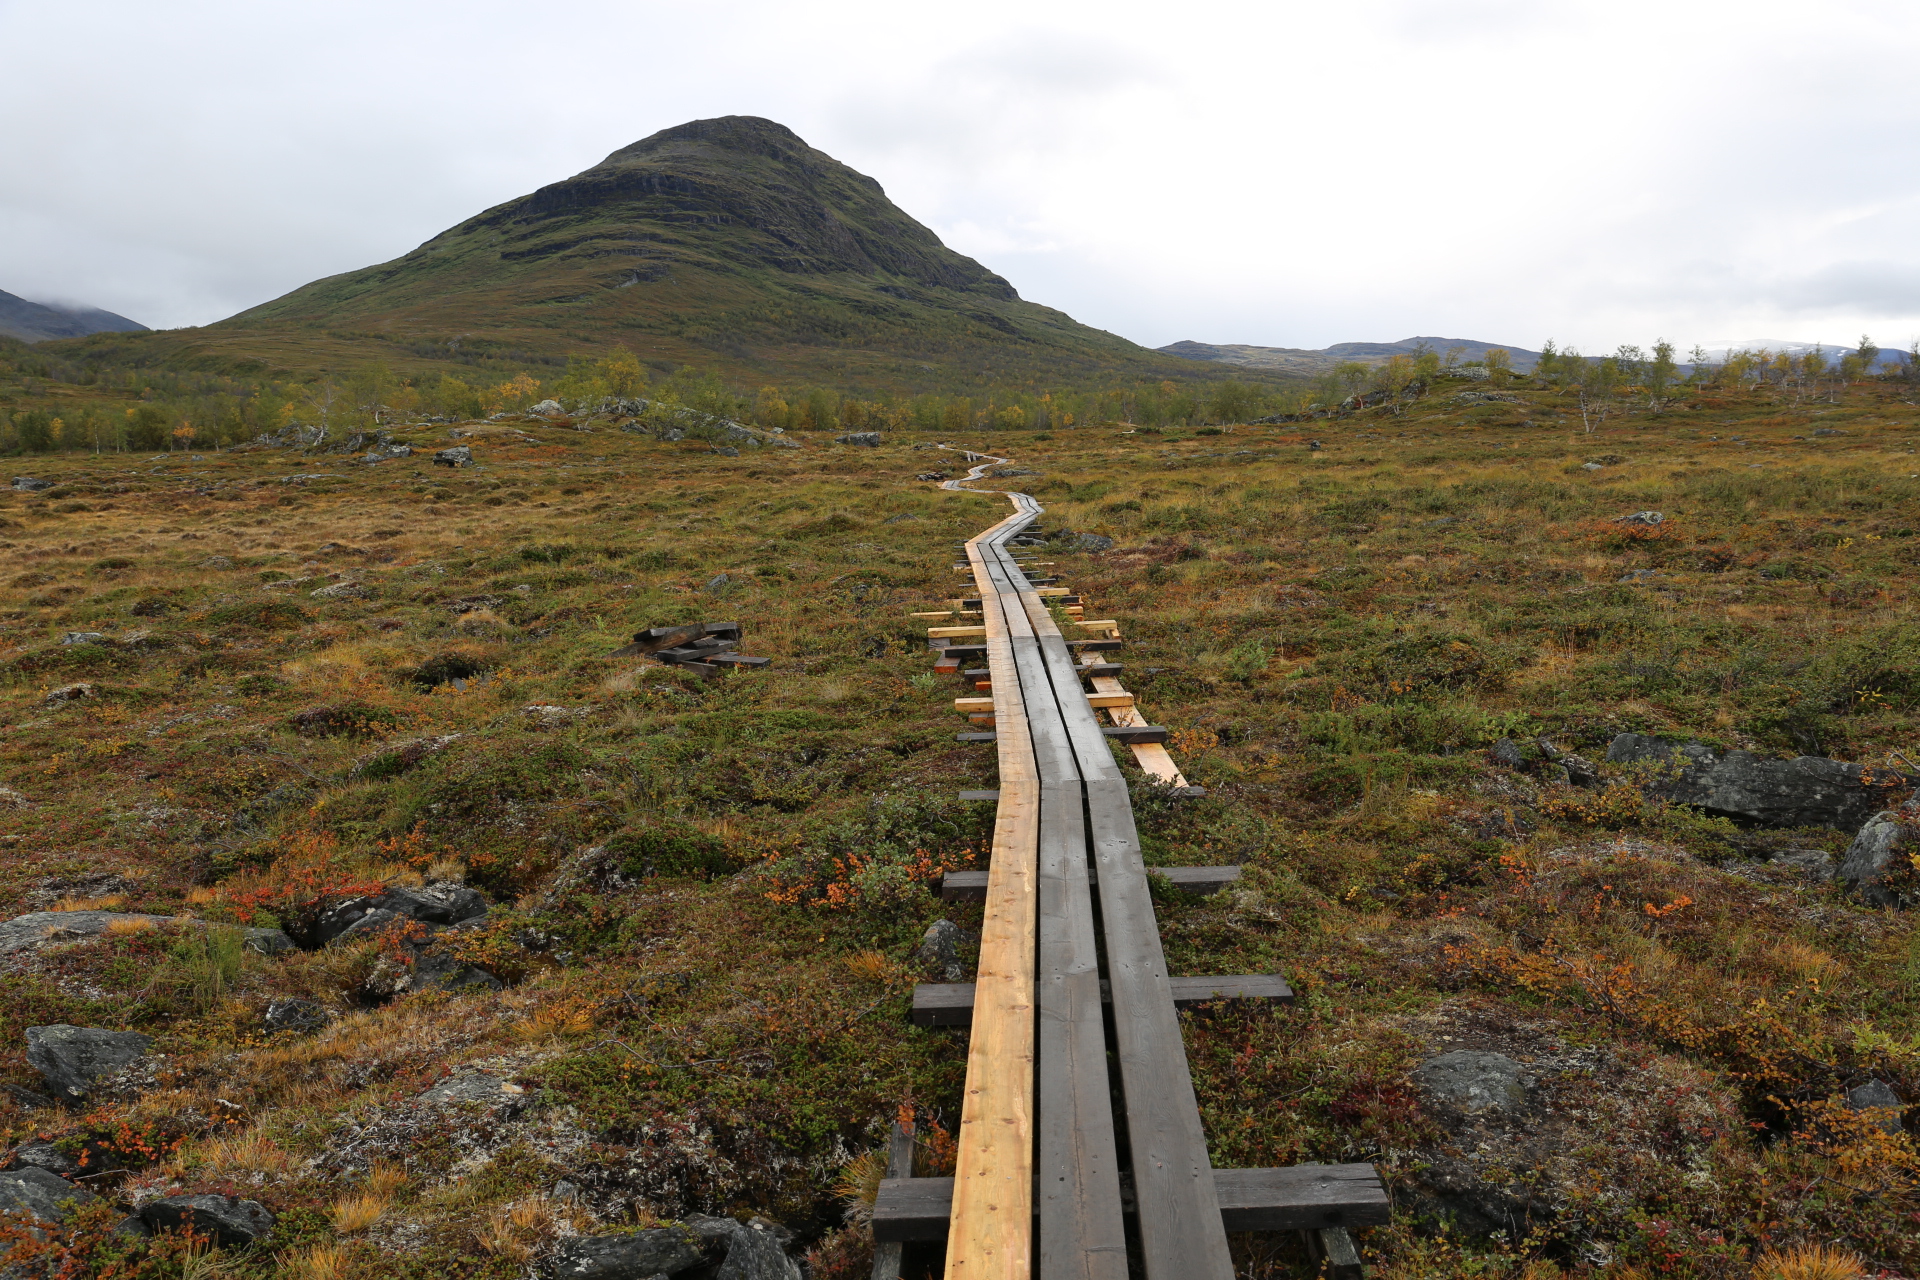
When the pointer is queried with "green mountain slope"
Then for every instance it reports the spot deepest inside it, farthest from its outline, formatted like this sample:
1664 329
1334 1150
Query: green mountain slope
727 243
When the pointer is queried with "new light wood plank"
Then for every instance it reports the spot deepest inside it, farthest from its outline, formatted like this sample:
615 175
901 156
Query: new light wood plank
991 1229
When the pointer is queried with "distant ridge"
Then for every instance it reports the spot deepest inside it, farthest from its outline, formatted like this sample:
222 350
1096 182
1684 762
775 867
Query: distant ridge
38 321
1310 361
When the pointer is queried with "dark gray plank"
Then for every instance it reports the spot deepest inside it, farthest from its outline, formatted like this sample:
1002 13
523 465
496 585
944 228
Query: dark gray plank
1181 1236
886 1255
1304 1197
1076 1166
971 886
950 1004
1311 1197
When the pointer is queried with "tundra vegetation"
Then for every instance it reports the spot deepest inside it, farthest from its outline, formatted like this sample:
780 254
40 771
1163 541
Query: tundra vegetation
242 687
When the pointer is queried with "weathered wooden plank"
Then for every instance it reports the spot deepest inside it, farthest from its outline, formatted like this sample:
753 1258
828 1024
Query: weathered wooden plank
971 886
1333 1249
950 1004
1312 1197
886 1254
1180 1233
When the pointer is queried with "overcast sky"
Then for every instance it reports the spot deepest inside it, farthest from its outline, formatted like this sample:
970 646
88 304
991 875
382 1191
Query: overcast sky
1273 172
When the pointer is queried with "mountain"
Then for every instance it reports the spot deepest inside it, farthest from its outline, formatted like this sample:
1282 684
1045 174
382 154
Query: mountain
1301 360
726 243
38 321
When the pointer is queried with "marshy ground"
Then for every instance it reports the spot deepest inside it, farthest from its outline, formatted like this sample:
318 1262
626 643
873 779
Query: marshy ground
311 676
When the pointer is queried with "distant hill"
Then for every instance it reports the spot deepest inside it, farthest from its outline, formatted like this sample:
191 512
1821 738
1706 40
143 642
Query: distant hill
726 243
38 321
1301 360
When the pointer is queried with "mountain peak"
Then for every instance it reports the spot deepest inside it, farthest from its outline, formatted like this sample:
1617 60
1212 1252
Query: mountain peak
726 242
39 321
753 135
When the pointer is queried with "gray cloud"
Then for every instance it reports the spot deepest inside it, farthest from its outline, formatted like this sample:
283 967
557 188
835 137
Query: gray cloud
1284 173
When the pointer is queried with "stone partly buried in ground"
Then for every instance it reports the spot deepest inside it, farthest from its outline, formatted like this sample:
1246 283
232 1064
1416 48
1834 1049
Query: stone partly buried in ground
661 1251
1807 791
1879 858
435 904
1525 1121
755 1250
42 928
296 1017
940 950
74 1059
224 1220
39 1196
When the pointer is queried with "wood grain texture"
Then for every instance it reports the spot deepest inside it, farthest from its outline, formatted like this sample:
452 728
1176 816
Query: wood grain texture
991 1235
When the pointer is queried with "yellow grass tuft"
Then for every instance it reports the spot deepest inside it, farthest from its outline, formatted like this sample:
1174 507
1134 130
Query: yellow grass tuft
249 1152
106 902
449 870
1809 1262
353 1214
386 1179
515 1231
564 1018
315 1262
870 966
134 925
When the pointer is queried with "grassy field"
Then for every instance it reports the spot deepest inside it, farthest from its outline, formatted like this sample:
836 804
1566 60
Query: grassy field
707 895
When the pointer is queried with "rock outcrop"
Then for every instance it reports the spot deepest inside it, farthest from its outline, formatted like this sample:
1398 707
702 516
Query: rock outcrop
74 1059
1878 863
1807 791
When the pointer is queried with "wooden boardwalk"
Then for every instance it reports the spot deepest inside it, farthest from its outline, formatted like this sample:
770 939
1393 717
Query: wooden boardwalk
1080 1140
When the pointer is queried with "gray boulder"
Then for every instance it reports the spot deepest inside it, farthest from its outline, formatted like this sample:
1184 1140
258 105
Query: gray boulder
365 925
1884 836
42 928
40 1196
547 408
864 439
1807 791
1647 518
1877 1098
1471 1082
29 484
655 1252
227 1222
1506 754
1091 542
756 1250
83 637
459 455
44 1155
298 1017
73 1058
940 950
439 904
499 1095
435 971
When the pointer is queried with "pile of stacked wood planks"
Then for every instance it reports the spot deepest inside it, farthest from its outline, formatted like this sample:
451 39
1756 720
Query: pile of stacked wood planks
707 648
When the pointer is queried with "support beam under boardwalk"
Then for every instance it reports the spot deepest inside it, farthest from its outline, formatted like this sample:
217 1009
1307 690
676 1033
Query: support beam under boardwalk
1307 1197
